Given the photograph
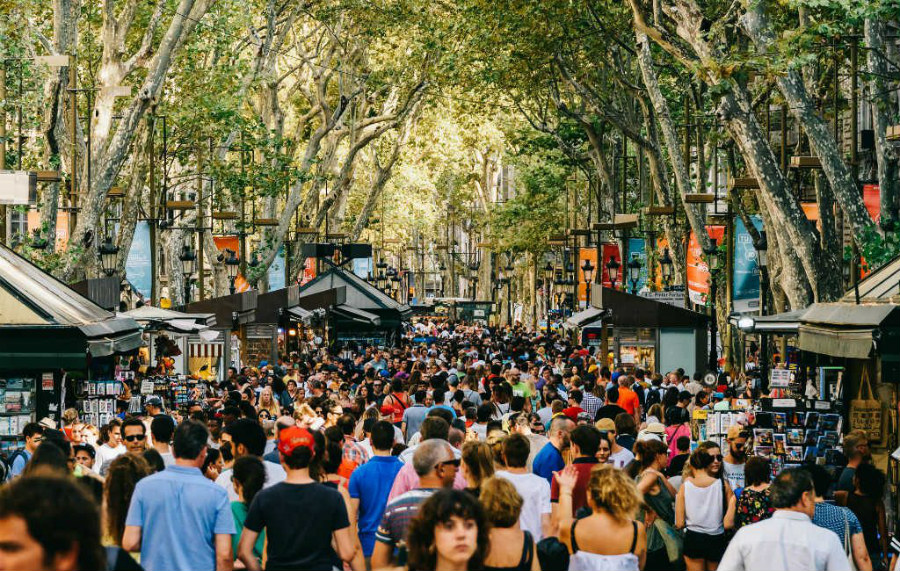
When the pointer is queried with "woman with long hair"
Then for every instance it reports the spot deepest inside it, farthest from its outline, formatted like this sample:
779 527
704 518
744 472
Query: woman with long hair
267 402
705 508
121 478
609 538
659 499
477 464
450 533
511 548
248 476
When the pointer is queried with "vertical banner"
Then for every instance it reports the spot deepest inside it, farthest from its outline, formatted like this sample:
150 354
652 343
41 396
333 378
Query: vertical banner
872 202
589 254
137 265
611 250
276 271
698 277
637 249
309 271
745 293
232 243
362 267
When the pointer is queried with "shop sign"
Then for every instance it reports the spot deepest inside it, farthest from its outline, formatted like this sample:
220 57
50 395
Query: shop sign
779 378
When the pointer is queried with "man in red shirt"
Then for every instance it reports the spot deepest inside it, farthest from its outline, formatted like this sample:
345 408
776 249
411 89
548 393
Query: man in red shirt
628 399
585 441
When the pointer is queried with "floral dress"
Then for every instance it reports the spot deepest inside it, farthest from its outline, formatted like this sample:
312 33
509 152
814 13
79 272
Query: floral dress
752 507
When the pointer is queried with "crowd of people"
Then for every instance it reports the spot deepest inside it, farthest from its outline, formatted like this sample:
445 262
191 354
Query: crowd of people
479 449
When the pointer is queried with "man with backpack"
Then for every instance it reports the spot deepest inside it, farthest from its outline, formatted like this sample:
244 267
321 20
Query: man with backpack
34 434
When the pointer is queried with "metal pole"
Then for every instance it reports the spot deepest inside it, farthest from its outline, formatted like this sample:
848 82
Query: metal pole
201 218
854 144
73 130
764 337
3 145
19 116
154 217
713 327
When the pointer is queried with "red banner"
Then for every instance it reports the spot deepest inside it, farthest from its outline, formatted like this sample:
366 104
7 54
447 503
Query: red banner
309 271
698 277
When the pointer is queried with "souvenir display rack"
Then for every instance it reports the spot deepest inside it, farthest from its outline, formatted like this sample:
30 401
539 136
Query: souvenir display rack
96 401
16 410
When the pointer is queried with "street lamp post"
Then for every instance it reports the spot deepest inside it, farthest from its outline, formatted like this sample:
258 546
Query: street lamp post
232 263
108 253
588 269
762 260
666 264
612 267
634 273
548 277
188 266
712 260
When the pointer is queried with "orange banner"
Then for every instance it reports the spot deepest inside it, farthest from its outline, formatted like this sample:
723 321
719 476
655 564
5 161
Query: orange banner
698 276
232 243
309 271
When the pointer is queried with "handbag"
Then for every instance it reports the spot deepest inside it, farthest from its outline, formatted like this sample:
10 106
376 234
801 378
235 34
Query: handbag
865 410
848 547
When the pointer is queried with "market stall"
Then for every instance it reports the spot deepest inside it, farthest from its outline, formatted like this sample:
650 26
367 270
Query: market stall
50 338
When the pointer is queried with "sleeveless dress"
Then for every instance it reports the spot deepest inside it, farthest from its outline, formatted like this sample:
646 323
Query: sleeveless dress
526 559
586 561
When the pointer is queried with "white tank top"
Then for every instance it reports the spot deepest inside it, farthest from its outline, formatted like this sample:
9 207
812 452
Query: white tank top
703 508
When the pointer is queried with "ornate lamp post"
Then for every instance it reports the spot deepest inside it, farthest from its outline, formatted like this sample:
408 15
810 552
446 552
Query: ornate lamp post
188 260
666 264
108 252
612 267
762 261
634 273
588 269
232 264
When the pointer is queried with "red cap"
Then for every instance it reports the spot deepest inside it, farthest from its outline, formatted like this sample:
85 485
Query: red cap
293 437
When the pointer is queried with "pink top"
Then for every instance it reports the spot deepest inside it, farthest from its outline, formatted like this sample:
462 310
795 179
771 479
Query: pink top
407 480
673 433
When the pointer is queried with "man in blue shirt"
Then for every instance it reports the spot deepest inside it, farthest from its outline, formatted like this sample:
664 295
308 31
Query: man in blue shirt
414 415
370 484
178 519
550 459
34 434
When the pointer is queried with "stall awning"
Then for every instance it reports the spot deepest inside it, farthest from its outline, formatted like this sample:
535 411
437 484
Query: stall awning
105 346
300 314
843 329
356 314
582 318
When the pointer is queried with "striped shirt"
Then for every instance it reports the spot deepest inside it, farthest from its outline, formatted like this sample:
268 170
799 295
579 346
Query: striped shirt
398 513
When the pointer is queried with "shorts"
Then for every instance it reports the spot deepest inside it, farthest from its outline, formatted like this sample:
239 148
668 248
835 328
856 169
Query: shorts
704 546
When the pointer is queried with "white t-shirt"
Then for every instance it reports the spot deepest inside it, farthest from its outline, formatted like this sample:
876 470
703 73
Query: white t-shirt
734 473
535 492
275 474
621 458
105 455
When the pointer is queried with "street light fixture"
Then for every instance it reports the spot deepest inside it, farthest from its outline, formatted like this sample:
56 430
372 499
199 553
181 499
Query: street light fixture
634 273
188 266
588 269
712 260
108 252
612 267
232 263
762 261
666 264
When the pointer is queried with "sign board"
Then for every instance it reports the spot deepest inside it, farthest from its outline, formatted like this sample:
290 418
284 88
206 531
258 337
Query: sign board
675 298
779 378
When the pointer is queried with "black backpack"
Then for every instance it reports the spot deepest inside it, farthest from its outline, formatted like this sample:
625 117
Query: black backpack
653 396
6 463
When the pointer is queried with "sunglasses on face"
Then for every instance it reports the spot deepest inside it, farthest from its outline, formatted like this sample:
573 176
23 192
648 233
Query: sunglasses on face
716 457
135 437
455 462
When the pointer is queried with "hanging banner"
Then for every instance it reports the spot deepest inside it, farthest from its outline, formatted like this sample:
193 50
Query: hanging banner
137 265
309 271
611 250
589 254
661 244
745 293
872 201
637 249
276 271
232 243
362 267
698 277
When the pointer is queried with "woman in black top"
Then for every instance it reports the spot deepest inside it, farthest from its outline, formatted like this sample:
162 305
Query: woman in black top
511 548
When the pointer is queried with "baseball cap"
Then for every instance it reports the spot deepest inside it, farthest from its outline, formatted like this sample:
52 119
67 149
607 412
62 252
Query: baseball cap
153 401
386 410
584 417
295 437
606 424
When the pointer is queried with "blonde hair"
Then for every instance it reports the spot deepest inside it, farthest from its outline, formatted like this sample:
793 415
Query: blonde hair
612 491
502 503
479 460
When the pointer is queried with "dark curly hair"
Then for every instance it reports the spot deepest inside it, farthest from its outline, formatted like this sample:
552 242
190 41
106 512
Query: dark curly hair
437 509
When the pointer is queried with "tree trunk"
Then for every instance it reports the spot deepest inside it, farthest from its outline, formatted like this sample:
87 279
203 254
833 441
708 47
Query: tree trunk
885 153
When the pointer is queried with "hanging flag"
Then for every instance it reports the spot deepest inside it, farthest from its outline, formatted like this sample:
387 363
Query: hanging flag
698 278
745 292
137 266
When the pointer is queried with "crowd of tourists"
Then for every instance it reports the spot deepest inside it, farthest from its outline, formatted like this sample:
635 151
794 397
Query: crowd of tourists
478 448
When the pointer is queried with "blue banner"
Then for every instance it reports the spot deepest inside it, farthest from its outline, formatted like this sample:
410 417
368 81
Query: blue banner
276 271
137 265
745 296
636 250
362 267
